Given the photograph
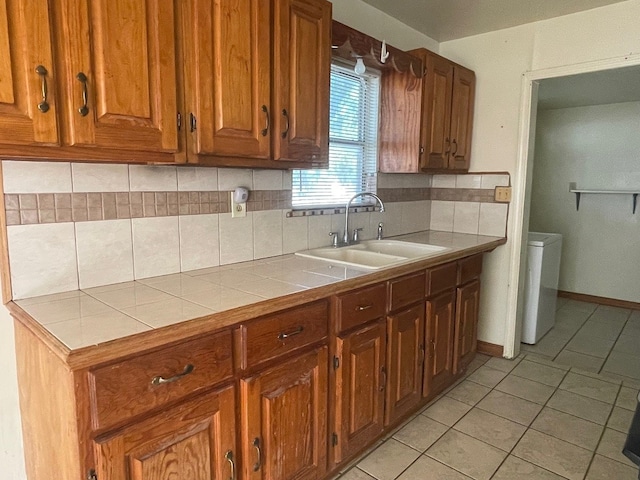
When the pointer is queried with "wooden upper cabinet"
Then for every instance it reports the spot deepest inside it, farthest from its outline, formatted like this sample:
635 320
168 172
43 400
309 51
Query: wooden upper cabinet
27 74
447 114
228 77
284 420
195 440
257 81
463 95
117 69
301 73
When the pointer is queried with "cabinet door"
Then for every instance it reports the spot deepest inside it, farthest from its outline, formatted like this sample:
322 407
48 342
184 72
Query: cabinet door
359 393
26 117
301 70
118 60
227 80
437 113
462 118
284 420
466 325
438 369
193 441
405 357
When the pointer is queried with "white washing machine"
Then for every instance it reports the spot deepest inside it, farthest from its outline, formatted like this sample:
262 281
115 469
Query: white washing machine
541 287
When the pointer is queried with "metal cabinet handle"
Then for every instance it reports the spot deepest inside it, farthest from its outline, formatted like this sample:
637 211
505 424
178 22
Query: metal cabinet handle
422 352
362 308
265 130
455 144
433 349
448 149
256 445
84 109
232 464
383 379
285 114
297 331
43 106
160 380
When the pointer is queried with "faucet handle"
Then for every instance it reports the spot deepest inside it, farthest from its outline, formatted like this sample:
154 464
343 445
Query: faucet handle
380 232
334 240
356 237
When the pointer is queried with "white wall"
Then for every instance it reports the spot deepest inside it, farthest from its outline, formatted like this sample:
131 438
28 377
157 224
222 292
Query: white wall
597 147
499 60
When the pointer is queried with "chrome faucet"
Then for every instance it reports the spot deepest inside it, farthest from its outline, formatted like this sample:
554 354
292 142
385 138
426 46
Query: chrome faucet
345 237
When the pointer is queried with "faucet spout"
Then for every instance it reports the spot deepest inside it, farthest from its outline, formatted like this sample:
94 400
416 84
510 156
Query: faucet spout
345 237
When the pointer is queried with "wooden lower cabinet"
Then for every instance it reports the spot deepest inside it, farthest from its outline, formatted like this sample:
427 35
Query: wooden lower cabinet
440 323
468 299
359 394
284 419
193 441
405 358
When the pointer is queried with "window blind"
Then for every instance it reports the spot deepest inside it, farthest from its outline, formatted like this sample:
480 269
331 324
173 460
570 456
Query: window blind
353 143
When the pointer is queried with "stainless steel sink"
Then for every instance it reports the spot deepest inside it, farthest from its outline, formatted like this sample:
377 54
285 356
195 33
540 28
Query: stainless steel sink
374 254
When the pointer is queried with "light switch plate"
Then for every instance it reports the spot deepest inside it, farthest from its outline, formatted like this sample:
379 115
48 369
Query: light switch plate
238 210
502 194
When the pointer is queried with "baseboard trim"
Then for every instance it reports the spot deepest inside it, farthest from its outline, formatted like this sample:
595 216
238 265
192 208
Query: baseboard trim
611 302
490 349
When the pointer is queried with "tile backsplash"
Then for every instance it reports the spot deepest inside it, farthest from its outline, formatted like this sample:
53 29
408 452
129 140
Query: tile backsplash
76 225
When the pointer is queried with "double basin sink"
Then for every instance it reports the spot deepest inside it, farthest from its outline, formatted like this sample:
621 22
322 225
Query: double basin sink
374 254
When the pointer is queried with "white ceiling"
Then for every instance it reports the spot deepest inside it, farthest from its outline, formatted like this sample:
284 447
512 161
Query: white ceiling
597 88
445 20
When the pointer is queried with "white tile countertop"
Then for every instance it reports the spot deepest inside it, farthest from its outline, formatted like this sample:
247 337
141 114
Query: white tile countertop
84 318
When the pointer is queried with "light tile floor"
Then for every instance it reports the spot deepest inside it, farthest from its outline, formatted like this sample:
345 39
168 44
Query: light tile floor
594 338
522 419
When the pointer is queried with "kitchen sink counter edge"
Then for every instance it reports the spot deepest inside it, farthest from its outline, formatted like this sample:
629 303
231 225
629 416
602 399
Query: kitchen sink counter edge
84 327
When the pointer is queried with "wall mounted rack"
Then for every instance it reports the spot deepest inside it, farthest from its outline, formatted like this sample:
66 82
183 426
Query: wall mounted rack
579 191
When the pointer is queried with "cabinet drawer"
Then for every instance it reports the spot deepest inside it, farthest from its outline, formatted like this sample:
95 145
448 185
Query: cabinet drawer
142 383
469 268
407 290
361 306
274 335
441 278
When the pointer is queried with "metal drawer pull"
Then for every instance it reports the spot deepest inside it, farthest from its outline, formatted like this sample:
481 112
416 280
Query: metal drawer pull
256 445
265 130
84 109
297 331
285 114
159 380
362 308
229 457
43 106
455 144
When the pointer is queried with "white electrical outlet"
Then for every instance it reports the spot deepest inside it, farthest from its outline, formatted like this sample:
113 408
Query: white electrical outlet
238 210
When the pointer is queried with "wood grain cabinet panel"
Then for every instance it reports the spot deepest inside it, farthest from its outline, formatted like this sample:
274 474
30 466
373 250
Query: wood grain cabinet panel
228 76
28 103
284 420
447 113
118 76
122 390
405 357
438 371
257 81
465 343
360 306
301 72
194 441
359 393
